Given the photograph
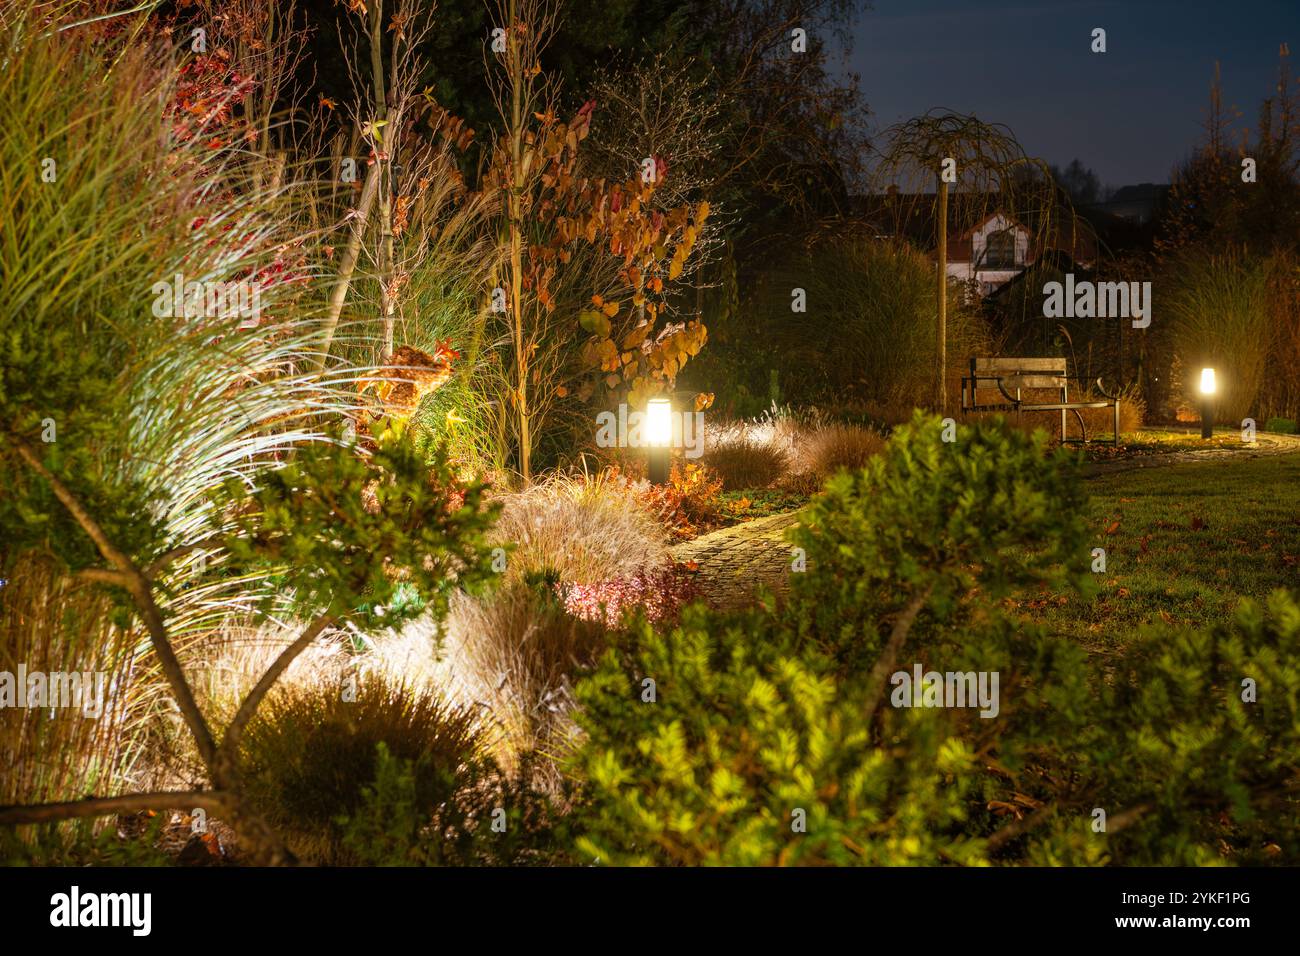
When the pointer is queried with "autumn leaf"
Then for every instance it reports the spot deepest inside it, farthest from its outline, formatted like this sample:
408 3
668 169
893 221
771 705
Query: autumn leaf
636 336
594 322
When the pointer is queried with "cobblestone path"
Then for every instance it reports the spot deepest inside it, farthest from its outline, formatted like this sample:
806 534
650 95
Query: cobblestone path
735 561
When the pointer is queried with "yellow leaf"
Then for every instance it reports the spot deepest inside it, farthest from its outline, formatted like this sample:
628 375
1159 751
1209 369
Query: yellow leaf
636 336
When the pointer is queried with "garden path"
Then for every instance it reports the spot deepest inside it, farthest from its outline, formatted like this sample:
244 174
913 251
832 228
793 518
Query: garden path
733 562
1270 444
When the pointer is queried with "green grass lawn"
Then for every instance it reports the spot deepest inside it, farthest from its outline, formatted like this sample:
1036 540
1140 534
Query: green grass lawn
1183 544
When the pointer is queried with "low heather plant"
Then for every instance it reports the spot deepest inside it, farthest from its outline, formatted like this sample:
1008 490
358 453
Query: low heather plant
659 595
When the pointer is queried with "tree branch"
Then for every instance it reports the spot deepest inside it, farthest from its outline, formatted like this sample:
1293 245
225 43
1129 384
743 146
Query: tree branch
214 800
1016 828
105 576
230 743
159 564
897 637
142 592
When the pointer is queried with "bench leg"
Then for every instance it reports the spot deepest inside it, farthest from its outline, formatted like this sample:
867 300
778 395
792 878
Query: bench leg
1083 426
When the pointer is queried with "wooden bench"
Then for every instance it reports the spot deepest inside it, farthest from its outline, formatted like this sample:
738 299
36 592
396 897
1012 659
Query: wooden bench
1009 376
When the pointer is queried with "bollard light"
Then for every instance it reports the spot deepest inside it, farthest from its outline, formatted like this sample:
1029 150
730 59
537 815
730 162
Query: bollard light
1208 388
659 438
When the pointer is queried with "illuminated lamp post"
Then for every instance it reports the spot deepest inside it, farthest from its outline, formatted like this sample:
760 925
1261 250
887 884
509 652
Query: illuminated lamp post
659 439
1208 388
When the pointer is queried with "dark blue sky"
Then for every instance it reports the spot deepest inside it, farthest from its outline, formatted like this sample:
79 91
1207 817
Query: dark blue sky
1130 113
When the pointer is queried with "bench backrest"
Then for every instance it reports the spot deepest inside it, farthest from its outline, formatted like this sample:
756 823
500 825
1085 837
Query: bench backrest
1020 372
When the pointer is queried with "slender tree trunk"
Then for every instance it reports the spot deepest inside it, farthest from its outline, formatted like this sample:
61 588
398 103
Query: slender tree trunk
517 184
348 263
941 387
388 139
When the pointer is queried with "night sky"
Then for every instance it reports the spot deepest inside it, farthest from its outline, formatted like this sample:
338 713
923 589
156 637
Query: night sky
1130 114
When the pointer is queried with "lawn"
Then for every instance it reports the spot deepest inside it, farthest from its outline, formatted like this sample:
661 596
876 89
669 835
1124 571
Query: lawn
1183 544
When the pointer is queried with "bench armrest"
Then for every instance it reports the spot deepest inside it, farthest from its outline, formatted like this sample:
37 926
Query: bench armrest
1101 390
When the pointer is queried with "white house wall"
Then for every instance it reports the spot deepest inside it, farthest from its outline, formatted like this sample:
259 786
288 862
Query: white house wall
991 279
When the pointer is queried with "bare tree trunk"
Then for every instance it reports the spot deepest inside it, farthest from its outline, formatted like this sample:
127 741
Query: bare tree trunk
380 111
348 264
941 388
518 182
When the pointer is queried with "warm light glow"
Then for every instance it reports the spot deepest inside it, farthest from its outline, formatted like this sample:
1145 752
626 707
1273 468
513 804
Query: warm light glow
659 422
1207 381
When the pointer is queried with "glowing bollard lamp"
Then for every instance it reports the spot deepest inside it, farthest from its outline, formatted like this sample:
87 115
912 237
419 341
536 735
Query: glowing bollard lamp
1208 389
659 439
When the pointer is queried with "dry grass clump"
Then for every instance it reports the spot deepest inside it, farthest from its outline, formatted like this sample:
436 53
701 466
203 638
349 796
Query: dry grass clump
830 448
580 529
50 622
512 655
744 462
310 751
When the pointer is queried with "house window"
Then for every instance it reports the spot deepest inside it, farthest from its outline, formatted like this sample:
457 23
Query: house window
1000 250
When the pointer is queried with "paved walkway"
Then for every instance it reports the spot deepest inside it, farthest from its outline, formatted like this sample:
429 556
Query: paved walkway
734 561
1264 445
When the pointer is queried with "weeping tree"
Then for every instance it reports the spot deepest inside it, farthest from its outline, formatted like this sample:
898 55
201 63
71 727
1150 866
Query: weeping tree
959 170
